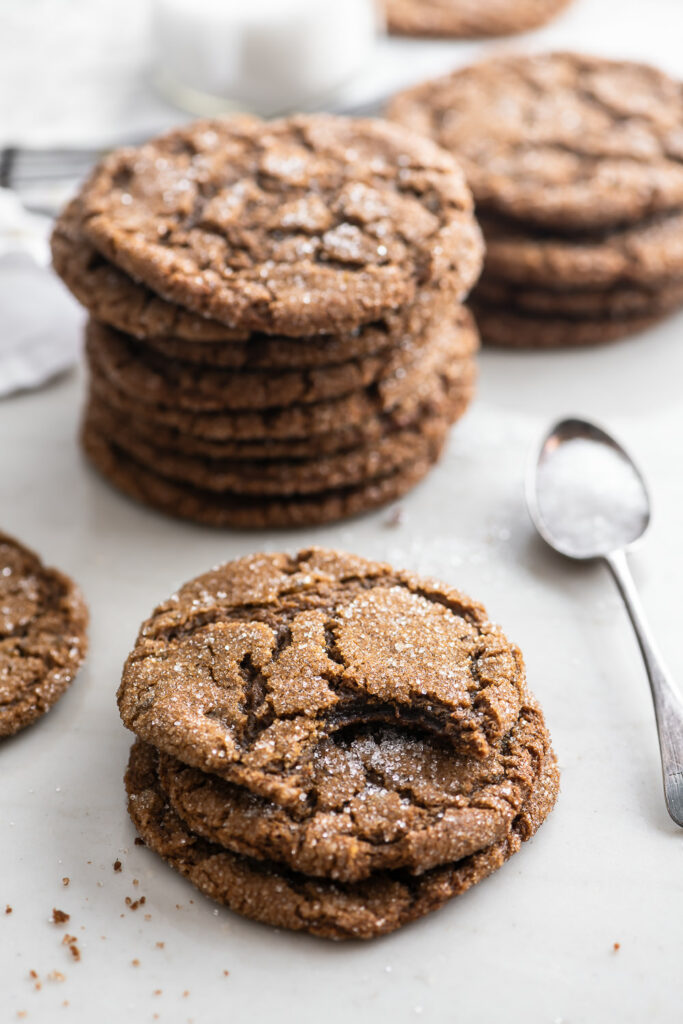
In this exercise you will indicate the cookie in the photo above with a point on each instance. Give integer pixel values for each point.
(248, 668)
(114, 298)
(152, 377)
(274, 895)
(647, 254)
(449, 399)
(245, 512)
(562, 140)
(384, 799)
(468, 19)
(43, 622)
(620, 301)
(306, 224)
(444, 360)
(354, 467)
(512, 329)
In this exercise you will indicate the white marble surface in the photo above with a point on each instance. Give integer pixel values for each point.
(531, 945)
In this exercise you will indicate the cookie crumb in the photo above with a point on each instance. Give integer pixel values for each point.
(186, 993)
(135, 963)
(117, 865)
(138, 841)
(60, 916)
(160, 945)
(226, 973)
(148, 917)
(56, 976)
(8, 909)
(71, 942)
(33, 974)
(157, 991)
(65, 881)
(616, 947)
(136, 881)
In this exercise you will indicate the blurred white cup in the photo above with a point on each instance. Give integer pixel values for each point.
(269, 56)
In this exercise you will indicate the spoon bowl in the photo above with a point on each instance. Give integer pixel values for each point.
(585, 495)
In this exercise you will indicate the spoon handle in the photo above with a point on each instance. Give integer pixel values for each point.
(666, 698)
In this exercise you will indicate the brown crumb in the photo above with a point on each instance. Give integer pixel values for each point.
(56, 976)
(186, 993)
(135, 963)
(71, 942)
(65, 1003)
(136, 881)
(8, 909)
(157, 991)
(33, 974)
(65, 880)
(616, 947)
(134, 904)
(60, 916)
(160, 945)
(37, 986)
(226, 973)
(148, 917)
(21, 1014)
(117, 865)
(139, 841)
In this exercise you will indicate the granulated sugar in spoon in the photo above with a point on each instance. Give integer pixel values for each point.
(588, 500)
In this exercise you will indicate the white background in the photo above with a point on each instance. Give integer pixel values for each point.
(534, 943)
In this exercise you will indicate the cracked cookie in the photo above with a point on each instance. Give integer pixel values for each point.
(576, 164)
(248, 668)
(513, 328)
(153, 377)
(268, 892)
(43, 621)
(306, 224)
(468, 19)
(562, 140)
(441, 365)
(382, 799)
(247, 512)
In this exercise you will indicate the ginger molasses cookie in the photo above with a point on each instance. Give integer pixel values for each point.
(270, 893)
(566, 141)
(227, 509)
(153, 377)
(450, 397)
(281, 476)
(43, 621)
(114, 298)
(249, 668)
(647, 254)
(381, 799)
(468, 18)
(306, 224)
(517, 329)
(446, 358)
(579, 303)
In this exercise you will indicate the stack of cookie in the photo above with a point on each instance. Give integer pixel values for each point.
(276, 332)
(576, 164)
(329, 745)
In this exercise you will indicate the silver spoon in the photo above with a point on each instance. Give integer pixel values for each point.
(588, 500)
